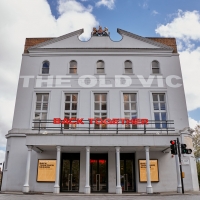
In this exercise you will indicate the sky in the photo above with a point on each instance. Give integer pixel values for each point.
(20, 19)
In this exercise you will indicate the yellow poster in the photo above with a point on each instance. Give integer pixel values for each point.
(46, 171)
(153, 170)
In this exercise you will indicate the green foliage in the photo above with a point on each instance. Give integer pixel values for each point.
(196, 144)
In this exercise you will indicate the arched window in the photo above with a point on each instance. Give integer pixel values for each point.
(100, 67)
(155, 67)
(128, 67)
(73, 67)
(45, 67)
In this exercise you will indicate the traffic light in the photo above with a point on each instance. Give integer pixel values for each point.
(173, 147)
(184, 150)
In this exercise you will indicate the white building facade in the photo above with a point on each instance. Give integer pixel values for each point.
(98, 116)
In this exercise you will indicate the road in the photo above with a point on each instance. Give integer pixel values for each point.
(96, 197)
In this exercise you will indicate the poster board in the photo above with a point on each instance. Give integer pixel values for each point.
(46, 171)
(153, 170)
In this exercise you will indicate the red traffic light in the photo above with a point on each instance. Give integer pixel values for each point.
(173, 142)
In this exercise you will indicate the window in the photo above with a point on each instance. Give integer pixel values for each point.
(100, 109)
(155, 67)
(130, 108)
(159, 106)
(128, 67)
(73, 67)
(41, 109)
(70, 108)
(45, 67)
(100, 67)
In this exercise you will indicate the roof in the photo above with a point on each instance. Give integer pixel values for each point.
(170, 42)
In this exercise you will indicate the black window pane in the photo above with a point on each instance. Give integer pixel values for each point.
(133, 97)
(67, 98)
(73, 71)
(155, 97)
(45, 64)
(74, 106)
(39, 97)
(128, 71)
(103, 106)
(67, 106)
(103, 97)
(162, 97)
(45, 70)
(155, 70)
(100, 71)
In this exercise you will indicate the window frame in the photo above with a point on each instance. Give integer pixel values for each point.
(46, 74)
(128, 68)
(166, 103)
(70, 111)
(73, 68)
(104, 69)
(34, 106)
(155, 67)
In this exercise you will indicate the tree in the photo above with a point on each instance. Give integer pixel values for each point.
(196, 144)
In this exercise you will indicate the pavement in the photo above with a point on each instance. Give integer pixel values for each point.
(93, 196)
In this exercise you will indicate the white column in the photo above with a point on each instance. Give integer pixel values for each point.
(179, 187)
(149, 188)
(57, 186)
(118, 187)
(87, 174)
(26, 184)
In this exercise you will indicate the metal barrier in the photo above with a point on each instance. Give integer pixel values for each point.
(152, 126)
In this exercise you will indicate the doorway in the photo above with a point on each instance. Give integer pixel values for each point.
(70, 170)
(127, 171)
(99, 172)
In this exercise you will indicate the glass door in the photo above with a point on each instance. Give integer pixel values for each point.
(70, 172)
(127, 171)
(98, 172)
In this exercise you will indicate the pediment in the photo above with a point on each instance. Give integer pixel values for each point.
(129, 40)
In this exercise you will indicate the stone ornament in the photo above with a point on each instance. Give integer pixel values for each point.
(100, 32)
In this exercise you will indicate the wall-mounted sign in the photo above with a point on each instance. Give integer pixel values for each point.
(153, 171)
(46, 171)
(185, 161)
(100, 121)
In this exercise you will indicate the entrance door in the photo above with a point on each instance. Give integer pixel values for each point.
(99, 172)
(70, 172)
(127, 171)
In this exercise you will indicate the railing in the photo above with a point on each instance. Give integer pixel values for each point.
(158, 127)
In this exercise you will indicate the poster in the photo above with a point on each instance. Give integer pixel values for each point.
(153, 170)
(46, 171)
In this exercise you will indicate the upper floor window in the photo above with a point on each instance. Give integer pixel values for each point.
(45, 67)
(155, 67)
(100, 67)
(71, 101)
(73, 67)
(128, 67)
(130, 108)
(41, 109)
(160, 113)
(100, 109)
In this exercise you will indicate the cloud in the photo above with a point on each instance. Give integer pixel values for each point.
(108, 3)
(193, 123)
(154, 12)
(27, 18)
(186, 28)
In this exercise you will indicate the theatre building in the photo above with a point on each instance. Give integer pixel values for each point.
(98, 116)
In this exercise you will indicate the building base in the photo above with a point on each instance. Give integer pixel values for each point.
(56, 190)
(87, 190)
(118, 190)
(149, 190)
(25, 189)
(179, 189)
